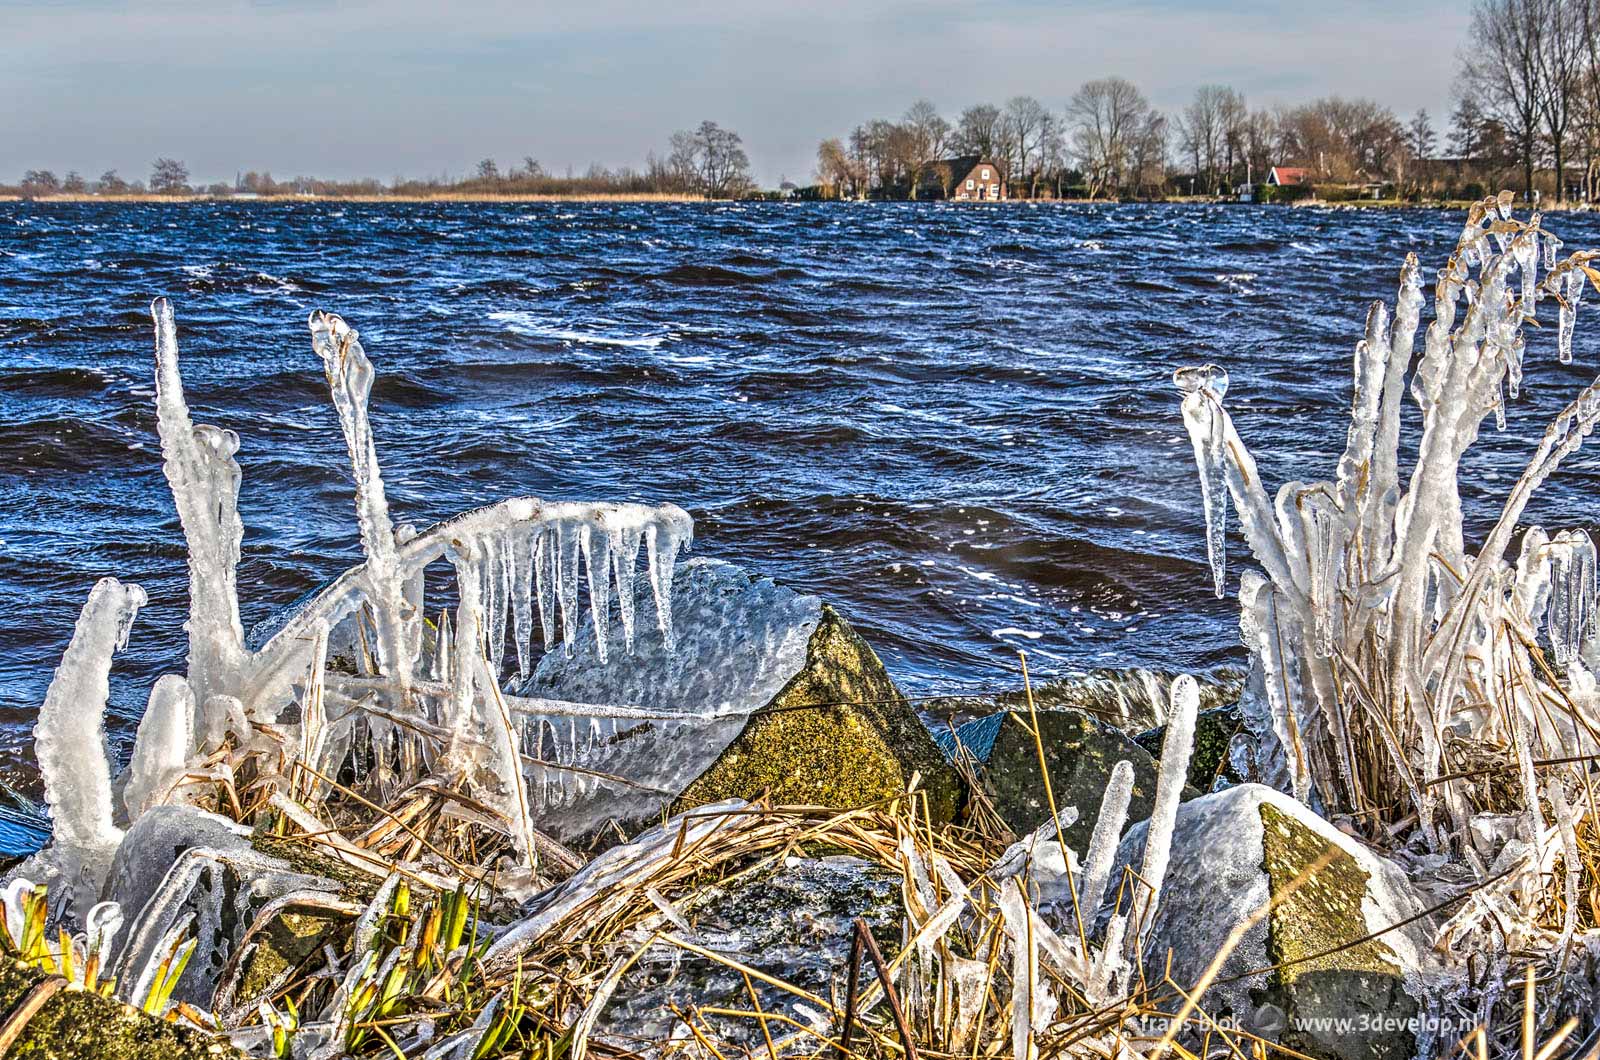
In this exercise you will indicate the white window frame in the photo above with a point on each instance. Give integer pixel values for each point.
(970, 185)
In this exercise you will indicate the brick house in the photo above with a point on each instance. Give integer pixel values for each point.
(970, 178)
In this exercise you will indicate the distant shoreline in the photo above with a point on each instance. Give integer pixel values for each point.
(148, 197)
(672, 197)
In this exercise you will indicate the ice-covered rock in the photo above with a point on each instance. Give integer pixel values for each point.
(793, 923)
(1335, 992)
(179, 862)
(764, 689)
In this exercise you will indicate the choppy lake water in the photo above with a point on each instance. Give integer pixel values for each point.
(954, 423)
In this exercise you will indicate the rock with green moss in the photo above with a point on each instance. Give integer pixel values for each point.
(1335, 993)
(75, 1025)
(774, 693)
(1214, 731)
(839, 734)
(1133, 699)
(1079, 752)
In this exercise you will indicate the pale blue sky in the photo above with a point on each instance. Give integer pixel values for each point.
(344, 88)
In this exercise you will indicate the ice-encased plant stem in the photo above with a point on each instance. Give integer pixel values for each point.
(69, 741)
(1378, 642)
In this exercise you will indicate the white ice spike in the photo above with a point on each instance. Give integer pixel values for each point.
(1204, 389)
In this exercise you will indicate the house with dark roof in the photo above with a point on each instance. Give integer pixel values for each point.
(970, 178)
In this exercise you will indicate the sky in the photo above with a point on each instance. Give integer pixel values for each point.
(348, 88)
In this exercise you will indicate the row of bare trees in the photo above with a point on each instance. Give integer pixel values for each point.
(1107, 140)
(1532, 69)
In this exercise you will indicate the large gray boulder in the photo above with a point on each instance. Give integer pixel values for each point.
(1335, 992)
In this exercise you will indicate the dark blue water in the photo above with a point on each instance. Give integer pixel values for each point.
(954, 423)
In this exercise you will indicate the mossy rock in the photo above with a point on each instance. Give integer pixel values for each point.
(1341, 992)
(1214, 730)
(839, 734)
(286, 943)
(75, 1025)
(1079, 752)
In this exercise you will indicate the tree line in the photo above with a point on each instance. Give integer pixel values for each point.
(1526, 108)
(1107, 140)
(707, 160)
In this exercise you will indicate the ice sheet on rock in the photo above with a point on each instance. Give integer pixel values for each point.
(739, 641)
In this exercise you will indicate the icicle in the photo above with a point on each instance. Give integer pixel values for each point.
(1568, 315)
(662, 543)
(544, 571)
(1103, 843)
(350, 375)
(162, 748)
(567, 552)
(199, 465)
(624, 545)
(1514, 355)
(443, 650)
(1204, 389)
(597, 562)
(521, 557)
(1572, 593)
(1527, 259)
(1325, 540)
(491, 570)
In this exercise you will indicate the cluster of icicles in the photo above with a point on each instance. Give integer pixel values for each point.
(359, 659)
(1378, 643)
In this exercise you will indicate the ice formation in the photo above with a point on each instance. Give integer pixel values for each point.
(1394, 672)
(69, 741)
(741, 640)
(368, 679)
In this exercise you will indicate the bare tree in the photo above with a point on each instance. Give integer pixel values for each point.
(1232, 119)
(1026, 122)
(168, 176)
(1561, 51)
(1420, 136)
(1107, 117)
(1201, 130)
(928, 134)
(1503, 71)
(40, 182)
(724, 168)
(978, 131)
(1147, 162)
(834, 170)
